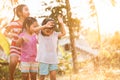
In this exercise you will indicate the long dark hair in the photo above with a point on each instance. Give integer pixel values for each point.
(28, 22)
(17, 10)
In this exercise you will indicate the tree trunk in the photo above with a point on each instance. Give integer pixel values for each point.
(72, 40)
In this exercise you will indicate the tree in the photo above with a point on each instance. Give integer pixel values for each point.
(72, 40)
(93, 13)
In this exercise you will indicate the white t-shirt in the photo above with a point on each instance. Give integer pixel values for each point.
(47, 48)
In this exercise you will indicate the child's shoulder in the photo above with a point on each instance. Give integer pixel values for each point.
(22, 34)
(14, 24)
(56, 33)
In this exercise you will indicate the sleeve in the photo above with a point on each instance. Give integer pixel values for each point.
(21, 35)
(35, 37)
(11, 25)
(56, 33)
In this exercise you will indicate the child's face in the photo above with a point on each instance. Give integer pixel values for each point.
(25, 12)
(35, 24)
(49, 30)
(50, 24)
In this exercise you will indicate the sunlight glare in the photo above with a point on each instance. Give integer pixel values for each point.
(108, 16)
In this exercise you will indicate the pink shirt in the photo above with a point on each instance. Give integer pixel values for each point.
(28, 48)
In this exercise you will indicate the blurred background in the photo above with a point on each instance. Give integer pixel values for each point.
(92, 40)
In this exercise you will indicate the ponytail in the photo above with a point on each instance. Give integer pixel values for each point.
(17, 10)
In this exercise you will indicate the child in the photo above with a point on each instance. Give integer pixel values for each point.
(13, 29)
(47, 51)
(28, 42)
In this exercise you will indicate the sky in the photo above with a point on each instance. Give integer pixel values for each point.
(108, 16)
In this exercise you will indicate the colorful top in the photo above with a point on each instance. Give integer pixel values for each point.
(47, 49)
(28, 48)
(14, 27)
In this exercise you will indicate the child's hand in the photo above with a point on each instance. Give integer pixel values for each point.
(25, 39)
(49, 24)
(60, 20)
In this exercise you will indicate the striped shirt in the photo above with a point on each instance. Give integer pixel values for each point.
(14, 27)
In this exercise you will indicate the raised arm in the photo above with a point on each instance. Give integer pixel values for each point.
(62, 29)
(37, 29)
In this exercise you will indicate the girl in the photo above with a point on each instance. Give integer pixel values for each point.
(28, 43)
(13, 29)
(47, 55)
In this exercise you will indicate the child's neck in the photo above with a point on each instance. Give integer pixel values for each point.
(28, 32)
(21, 20)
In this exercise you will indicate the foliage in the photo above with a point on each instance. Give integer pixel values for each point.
(111, 51)
(4, 73)
(92, 37)
(62, 10)
(115, 41)
(111, 61)
(92, 8)
(65, 64)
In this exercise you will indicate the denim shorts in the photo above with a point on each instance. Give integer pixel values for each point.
(26, 67)
(45, 68)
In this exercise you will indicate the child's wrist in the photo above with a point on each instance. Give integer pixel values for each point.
(44, 26)
(61, 23)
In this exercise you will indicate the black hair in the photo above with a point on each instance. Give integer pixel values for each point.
(17, 10)
(28, 22)
(46, 20)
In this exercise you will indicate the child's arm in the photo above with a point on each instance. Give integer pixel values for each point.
(19, 42)
(37, 29)
(62, 29)
(47, 25)
(8, 33)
